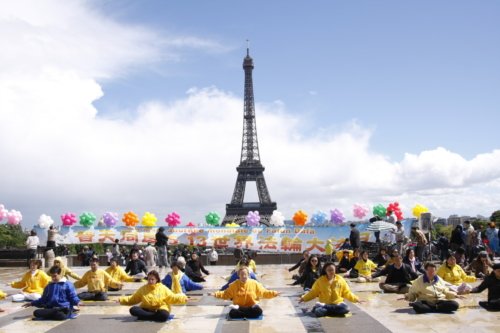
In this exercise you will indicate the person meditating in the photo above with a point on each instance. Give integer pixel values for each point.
(136, 267)
(365, 267)
(98, 282)
(32, 283)
(58, 299)
(455, 275)
(399, 276)
(311, 273)
(331, 289)
(118, 273)
(194, 267)
(429, 293)
(65, 270)
(179, 282)
(155, 299)
(245, 294)
(492, 283)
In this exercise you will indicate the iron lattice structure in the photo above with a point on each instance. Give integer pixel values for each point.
(250, 168)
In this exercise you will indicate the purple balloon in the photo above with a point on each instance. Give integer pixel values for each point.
(110, 219)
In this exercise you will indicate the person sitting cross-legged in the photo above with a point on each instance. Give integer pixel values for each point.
(331, 289)
(179, 282)
(492, 283)
(429, 293)
(58, 298)
(399, 276)
(245, 294)
(98, 282)
(136, 267)
(118, 273)
(365, 267)
(155, 299)
(32, 283)
(452, 273)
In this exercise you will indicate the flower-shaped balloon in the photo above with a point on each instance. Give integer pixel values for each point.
(87, 219)
(3, 212)
(300, 217)
(130, 219)
(14, 217)
(45, 221)
(379, 210)
(319, 218)
(173, 219)
(253, 219)
(68, 219)
(394, 207)
(359, 211)
(149, 219)
(336, 216)
(232, 225)
(418, 210)
(277, 219)
(190, 224)
(212, 218)
(110, 219)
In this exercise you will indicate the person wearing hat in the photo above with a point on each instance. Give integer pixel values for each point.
(481, 266)
(492, 283)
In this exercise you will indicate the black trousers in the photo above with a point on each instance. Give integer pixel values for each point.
(31, 255)
(143, 314)
(493, 305)
(52, 314)
(439, 306)
(246, 312)
(88, 296)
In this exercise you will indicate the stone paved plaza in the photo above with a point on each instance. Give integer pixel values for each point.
(380, 312)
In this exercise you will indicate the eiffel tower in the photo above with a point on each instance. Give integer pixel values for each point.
(250, 168)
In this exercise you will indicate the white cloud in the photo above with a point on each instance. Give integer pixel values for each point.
(59, 154)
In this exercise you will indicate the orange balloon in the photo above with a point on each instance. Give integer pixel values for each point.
(300, 218)
(130, 219)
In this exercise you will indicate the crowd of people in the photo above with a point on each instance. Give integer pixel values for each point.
(428, 287)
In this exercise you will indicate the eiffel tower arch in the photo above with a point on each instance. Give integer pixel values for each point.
(250, 168)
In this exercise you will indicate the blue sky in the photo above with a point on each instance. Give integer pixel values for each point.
(137, 105)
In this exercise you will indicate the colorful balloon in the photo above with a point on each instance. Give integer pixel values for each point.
(300, 217)
(149, 219)
(359, 211)
(418, 210)
(379, 210)
(394, 207)
(212, 218)
(253, 219)
(319, 218)
(110, 219)
(3, 212)
(87, 219)
(232, 225)
(173, 219)
(130, 219)
(68, 219)
(45, 221)
(14, 217)
(190, 224)
(336, 216)
(277, 219)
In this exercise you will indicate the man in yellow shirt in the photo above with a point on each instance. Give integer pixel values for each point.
(331, 289)
(98, 282)
(245, 294)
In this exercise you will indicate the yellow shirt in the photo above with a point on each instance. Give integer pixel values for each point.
(430, 291)
(118, 273)
(246, 294)
(32, 283)
(154, 297)
(330, 293)
(2, 295)
(365, 268)
(454, 275)
(97, 281)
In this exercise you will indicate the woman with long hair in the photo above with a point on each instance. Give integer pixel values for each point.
(311, 273)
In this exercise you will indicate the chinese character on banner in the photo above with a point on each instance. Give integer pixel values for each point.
(106, 234)
(172, 240)
(148, 237)
(268, 243)
(240, 239)
(291, 244)
(85, 236)
(315, 244)
(221, 242)
(130, 236)
(197, 240)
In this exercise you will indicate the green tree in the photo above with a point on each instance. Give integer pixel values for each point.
(12, 236)
(495, 217)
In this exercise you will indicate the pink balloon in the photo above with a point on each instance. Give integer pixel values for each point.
(359, 211)
(3, 212)
(68, 219)
(14, 217)
(173, 219)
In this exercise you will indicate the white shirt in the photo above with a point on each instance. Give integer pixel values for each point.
(32, 242)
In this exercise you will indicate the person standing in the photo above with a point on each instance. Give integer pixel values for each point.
(161, 247)
(470, 235)
(51, 237)
(213, 256)
(354, 237)
(400, 236)
(32, 246)
(419, 237)
(150, 254)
